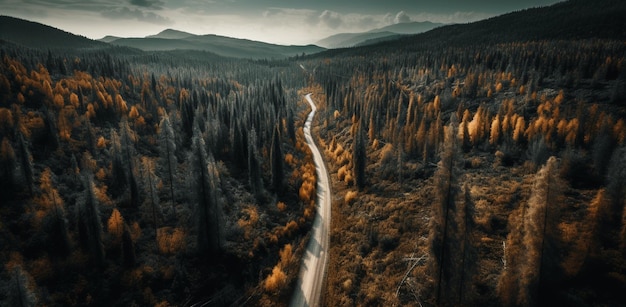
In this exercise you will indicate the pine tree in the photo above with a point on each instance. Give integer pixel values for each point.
(55, 224)
(20, 291)
(119, 180)
(254, 166)
(443, 236)
(467, 255)
(135, 200)
(150, 182)
(616, 181)
(128, 248)
(278, 173)
(167, 150)
(89, 224)
(8, 166)
(359, 157)
(533, 243)
(26, 159)
(208, 211)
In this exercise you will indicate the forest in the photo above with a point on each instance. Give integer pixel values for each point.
(484, 174)
(473, 165)
(150, 179)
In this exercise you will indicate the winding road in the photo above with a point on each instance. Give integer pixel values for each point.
(313, 269)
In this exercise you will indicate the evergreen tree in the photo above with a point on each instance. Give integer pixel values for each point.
(26, 159)
(150, 182)
(20, 292)
(55, 224)
(119, 180)
(167, 150)
(278, 173)
(444, 230)
(616, 181)
(541, 237)
(8, 166)
(467, 255)
(89, 223)
(255, 178)
(208, 211)
(359, 156)
(533, 244)
(128, 248)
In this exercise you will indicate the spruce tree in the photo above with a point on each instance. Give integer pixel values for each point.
(19, 292)
(167, 151)
(359, 157)
(255, 178)
(278, 173)
(208, 211)
(89, 223)
(26, 159)
(8, 166)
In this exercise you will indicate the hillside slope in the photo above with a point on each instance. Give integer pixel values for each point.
(344, 40)
(37, 35)
(221, 45)
(574, 19)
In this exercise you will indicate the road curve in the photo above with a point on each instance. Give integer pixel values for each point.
(313, 268)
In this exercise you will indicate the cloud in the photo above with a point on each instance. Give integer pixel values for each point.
(136, 14)
(402, 17)
(153, 4)
(331, 19)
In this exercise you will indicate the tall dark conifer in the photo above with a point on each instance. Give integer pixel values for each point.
(208, 210)
(443, 236)
(167, 150)
(359, 156)
(89, 223)
(278, 173)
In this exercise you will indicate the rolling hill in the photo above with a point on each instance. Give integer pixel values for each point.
(169, 40)
(574, 19)
(343, 40)
(171, 34)
(36, 35)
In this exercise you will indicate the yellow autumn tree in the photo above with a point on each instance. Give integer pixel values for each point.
(115, 225)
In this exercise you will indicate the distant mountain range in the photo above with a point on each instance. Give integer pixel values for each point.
(344, 40)
(170, 39)
(36, 35)
(573, 19)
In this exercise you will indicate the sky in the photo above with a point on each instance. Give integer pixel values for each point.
(275, 21)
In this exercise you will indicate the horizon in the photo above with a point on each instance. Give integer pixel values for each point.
(273, 21)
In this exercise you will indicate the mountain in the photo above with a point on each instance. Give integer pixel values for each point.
(574, 19)
(409, 27)
(171, 34)
(109, 38)
(37, 35)
(221, 45)
(343, 40)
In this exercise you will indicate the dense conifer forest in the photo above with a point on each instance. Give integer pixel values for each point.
(469, 168)
(150, 179)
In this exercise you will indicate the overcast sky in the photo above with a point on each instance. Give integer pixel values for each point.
(275, 21)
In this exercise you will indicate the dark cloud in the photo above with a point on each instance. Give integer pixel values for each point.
(153, 4)
(125, 13)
